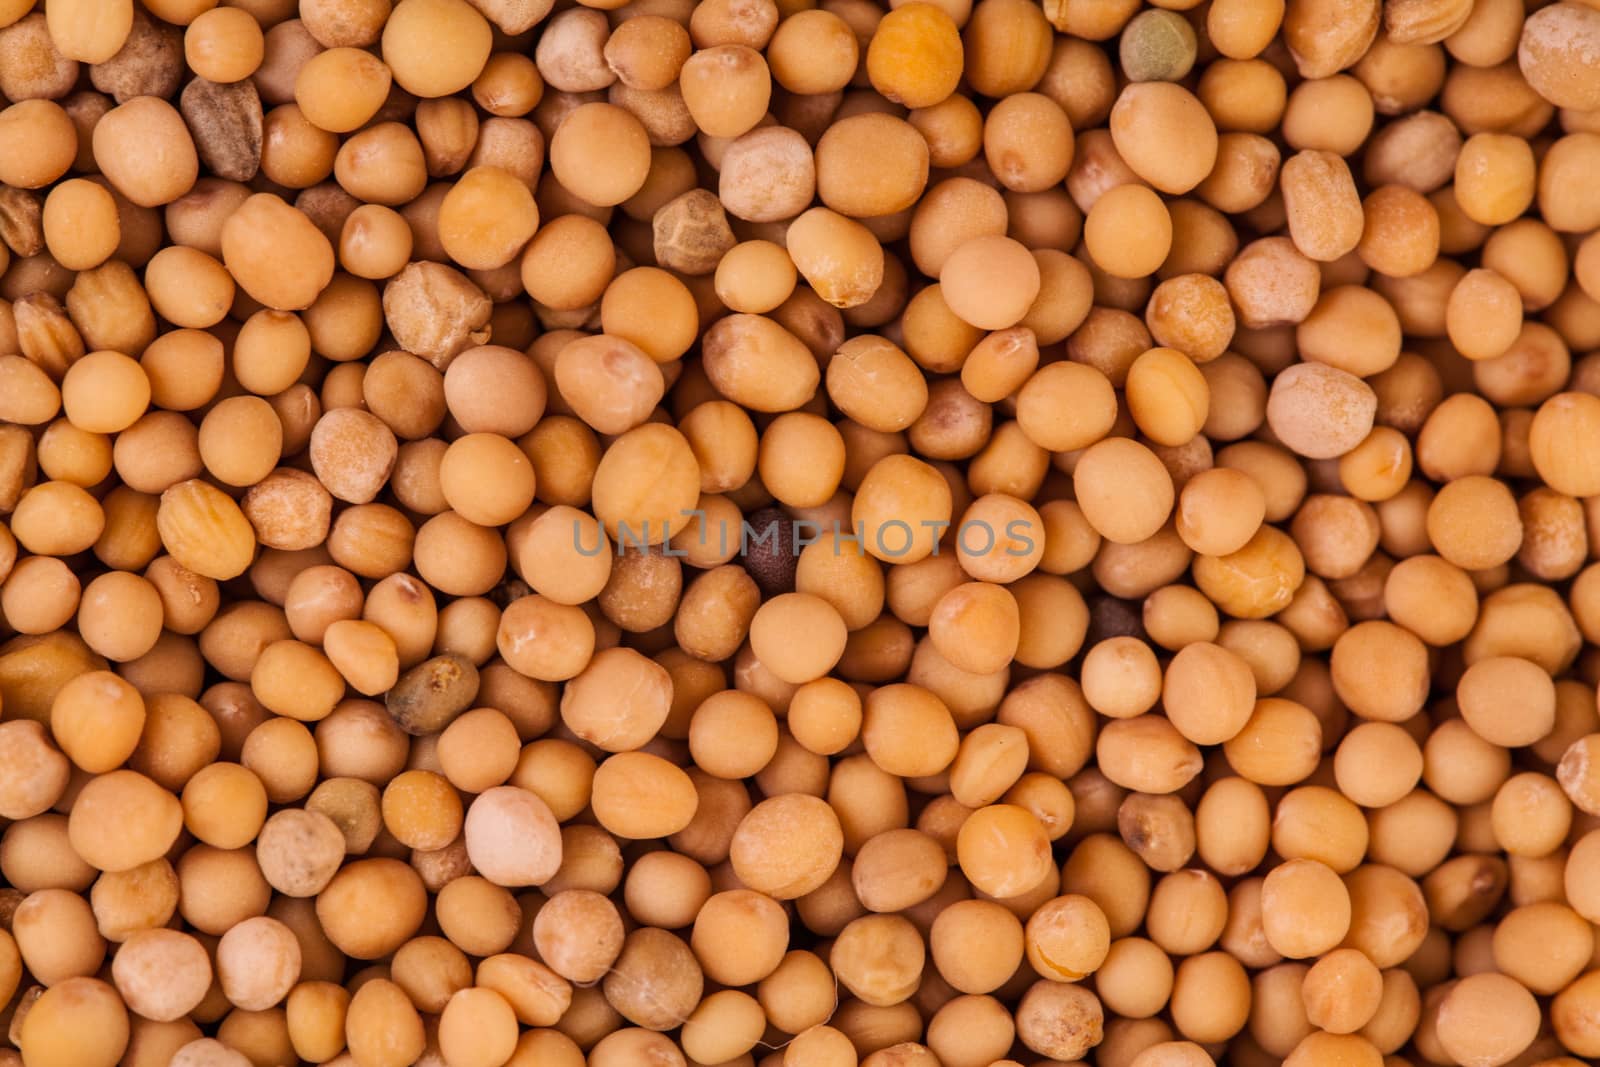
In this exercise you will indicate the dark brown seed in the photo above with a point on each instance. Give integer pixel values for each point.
(225, 121)
(9, 899)
(1110, 616)
(429, 696)
(769, 551)
(509, 590)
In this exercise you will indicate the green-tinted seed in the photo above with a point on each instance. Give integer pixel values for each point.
(1157, 46)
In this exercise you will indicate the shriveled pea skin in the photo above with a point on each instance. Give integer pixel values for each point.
(874, 534)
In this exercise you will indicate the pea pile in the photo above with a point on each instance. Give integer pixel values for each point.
(799, 533)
